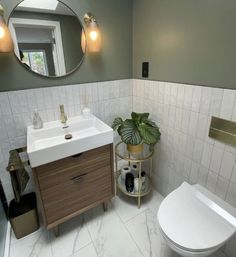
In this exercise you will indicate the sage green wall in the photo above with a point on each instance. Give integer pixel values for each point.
(114, 61)
(186, 41)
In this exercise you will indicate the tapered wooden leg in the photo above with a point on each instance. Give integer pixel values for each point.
(56, 231)
(105, 206)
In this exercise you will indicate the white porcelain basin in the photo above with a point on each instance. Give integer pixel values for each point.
(49, 144)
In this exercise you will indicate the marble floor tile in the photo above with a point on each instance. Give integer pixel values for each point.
(15, 240)
(87, 251)
(35, 245)
(122, 231)
(145, 232)
(144, 229)
(219, 254)
(109, 235)
(126, 207)
(73, 236)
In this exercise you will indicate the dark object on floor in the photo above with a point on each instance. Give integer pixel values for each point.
(23, 215)
(129, 182)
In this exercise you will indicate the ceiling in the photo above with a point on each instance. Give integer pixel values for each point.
(61, 9)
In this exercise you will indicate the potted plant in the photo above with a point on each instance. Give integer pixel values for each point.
(136, 131)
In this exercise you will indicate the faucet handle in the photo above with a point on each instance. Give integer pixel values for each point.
(62, 108)
(63, 115)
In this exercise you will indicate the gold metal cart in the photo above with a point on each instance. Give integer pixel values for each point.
(121, 153)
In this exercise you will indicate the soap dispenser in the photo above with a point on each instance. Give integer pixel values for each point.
(37, 121)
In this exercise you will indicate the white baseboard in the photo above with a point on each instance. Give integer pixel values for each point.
(8, 241)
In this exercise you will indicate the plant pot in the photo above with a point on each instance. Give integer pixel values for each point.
(23, 216)
(135, 149)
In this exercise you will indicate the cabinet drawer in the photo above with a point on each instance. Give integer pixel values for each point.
(56, 173)
(76, 192)
(73, 185)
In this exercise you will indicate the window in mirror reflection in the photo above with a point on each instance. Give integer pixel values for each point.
(36, 61)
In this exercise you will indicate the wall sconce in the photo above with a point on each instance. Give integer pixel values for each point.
(93, 35)
(6, 44)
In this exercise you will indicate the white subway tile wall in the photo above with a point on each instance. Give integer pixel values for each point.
(106, 100)
(183, 113)
(185, 152)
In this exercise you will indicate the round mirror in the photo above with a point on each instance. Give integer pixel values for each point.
(47, 37)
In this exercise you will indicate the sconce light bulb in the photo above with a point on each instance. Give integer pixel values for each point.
(2, 32)
(6, 44)
(93, 35)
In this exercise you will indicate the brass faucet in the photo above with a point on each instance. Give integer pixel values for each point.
(63, 115)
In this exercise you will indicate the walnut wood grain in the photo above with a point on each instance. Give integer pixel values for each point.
(73, 185)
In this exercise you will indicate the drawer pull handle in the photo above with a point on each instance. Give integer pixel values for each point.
(78, 178)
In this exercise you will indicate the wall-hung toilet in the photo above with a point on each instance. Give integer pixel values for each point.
(195, 222)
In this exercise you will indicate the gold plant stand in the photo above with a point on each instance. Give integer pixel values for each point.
(121, 153)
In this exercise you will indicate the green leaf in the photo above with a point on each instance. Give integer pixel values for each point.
(151, 123)
(117, 123)
(149, 134)
(139, 117)
(129, 133)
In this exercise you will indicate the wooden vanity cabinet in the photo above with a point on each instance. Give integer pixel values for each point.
(73, 185)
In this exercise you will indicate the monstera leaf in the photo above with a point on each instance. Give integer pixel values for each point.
(139, 117)
(149, 134)
(117, 123)
(129, 133)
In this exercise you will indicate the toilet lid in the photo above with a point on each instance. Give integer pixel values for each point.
(193, 221)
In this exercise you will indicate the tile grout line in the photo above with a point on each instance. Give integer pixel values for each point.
(134, 240)
(80, 249)
(124, 222)
(125, 227)
(95, 248)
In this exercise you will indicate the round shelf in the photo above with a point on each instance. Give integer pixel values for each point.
(122, 152)
(145, 191)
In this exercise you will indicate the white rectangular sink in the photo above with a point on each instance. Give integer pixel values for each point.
(49, 144)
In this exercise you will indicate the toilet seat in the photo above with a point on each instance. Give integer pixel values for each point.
(174, 245)
(193, 222)
(187, 252)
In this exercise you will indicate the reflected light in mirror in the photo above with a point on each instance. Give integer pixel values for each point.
(83, 41)
(2, 32)
(6, 44)
(40, 4)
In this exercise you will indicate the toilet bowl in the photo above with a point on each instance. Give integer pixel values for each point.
(194, 222)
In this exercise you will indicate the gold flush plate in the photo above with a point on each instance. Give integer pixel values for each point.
(223, 130)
